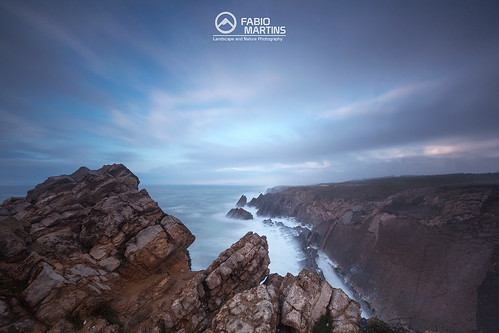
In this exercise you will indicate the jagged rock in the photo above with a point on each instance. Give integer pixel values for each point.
(401, 241)
(345, 312)
(72, 233)
(268, 222)
(199, 296)
(184, 310)
(242, 201)
(243, 266)
(81, 248)
(306, 297)
(255, 310)
(240, 214)
(287, 304)
(128, 212)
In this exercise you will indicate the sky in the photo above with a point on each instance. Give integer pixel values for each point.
(356, 89)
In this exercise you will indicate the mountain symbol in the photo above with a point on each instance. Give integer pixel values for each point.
(225, 21)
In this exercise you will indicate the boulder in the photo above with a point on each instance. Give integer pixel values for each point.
(240, 214)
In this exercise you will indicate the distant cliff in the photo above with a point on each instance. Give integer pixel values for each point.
(89, 252)
(421, 249)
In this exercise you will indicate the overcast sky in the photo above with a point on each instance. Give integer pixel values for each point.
(356, 89)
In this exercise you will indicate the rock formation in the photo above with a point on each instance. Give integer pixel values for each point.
(240, 214)
(419, 248)
(89, 252)
(242, 201)
(306, 297)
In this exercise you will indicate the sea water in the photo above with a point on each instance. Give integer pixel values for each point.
(202, 208)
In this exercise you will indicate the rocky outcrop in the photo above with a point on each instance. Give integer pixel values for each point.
(240, 214)
(90, 252)
(254, 310)
(74, 237)
(243, 266)
(242, 201)
(306, 297)
(288, 304)
(418, 248)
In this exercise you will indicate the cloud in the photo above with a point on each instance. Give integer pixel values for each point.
(384, 103)
(272, 167)
(102, 82)
(465, 149)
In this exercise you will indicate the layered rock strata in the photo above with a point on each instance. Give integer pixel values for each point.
(89, 252)
(423, 249)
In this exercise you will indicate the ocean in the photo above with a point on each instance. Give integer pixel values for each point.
(202, 208)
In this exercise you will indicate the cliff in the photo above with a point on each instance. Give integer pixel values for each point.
(423, 250)
(89, 252)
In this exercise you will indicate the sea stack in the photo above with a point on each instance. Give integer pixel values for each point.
(240, 214)
(242, 201)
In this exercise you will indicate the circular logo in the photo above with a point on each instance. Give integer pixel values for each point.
(225, 22)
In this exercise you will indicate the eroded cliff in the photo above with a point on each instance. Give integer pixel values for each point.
(90, 252)
(420, 249)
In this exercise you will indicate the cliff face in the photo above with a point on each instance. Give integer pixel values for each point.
(423, 249)
(90, 252)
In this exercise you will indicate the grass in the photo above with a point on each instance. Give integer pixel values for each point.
(324, 324)
(376, 325)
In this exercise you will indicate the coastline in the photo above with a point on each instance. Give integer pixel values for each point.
(396, 240)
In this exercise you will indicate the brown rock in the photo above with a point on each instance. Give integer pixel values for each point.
(69, 237)
(421, 248)
(46, 281)
(306, 297)
(243, 266)
(254, 310)
(149, 248)
(91, 241)
(345, 312)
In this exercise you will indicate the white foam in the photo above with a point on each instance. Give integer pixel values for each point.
(327, 266)
(283, 251)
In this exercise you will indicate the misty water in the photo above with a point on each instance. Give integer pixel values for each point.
(202, 208)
